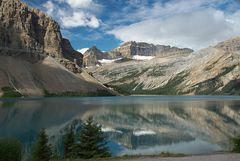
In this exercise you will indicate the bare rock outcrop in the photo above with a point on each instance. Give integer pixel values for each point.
(31, 30)
(131, 48)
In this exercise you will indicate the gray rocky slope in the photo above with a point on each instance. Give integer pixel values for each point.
(34, 57)
(213, 70)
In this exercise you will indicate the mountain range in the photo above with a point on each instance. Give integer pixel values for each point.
(35, 60)
(173, 71)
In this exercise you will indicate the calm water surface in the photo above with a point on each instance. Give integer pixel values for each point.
(134, 125)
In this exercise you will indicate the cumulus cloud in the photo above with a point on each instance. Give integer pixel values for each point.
(195, 29)
(49, 7)
(80, 19)
(82, 4)
(79, 3)
(74, 13)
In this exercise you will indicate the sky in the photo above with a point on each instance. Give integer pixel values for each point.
(194, 24)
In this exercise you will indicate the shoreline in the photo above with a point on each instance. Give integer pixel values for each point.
(218, 156)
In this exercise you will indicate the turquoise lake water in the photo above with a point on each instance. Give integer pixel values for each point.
(133, 125)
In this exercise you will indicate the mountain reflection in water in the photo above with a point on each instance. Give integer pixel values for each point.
(134, 125)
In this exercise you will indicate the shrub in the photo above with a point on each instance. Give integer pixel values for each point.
(10, 150)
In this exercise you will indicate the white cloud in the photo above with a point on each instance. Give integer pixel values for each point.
(139, 10)
(49, 6)
(195, 29)
(80, 19)
(80, 3)
(74, 13)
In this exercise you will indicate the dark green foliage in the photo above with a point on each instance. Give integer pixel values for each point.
(157, 71)
(226, 70)
(10, 150)
(42, 150)
(92, 141)
(169, 89)
(232, 88)
(211, 85)
(78, 94)
(10, 92)
(118, 89)
(131, 75)
(55, 155)
(69, 145)
(236, 144)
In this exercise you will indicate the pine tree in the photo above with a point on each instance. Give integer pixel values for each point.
(236, 144)
(92, 143)
(69, 145)
(42, 151)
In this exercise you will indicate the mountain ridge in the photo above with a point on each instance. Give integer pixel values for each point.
(213, 70)
(130, 49)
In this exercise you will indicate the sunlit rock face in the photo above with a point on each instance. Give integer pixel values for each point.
(132, 123)
(32, 31)
(132, 48)
(213, 70)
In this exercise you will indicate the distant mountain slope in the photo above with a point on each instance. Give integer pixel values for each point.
(214, 70)
(34, 57)
(129, 50)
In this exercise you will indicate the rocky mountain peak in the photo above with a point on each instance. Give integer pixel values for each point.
(30, 30)
(93, 50)
(132, 48)
(92, 55)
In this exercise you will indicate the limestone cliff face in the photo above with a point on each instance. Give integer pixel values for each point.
(33, 31)
(131, 48)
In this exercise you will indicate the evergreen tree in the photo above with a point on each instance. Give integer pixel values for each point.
(42, 151)
(236, 144)
(92, 143)
(69, 145)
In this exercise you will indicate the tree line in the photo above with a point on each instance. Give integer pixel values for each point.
(91, 143)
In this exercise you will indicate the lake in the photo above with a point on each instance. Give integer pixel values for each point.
(133, 124)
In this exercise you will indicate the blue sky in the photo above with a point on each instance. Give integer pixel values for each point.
(107, 23)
